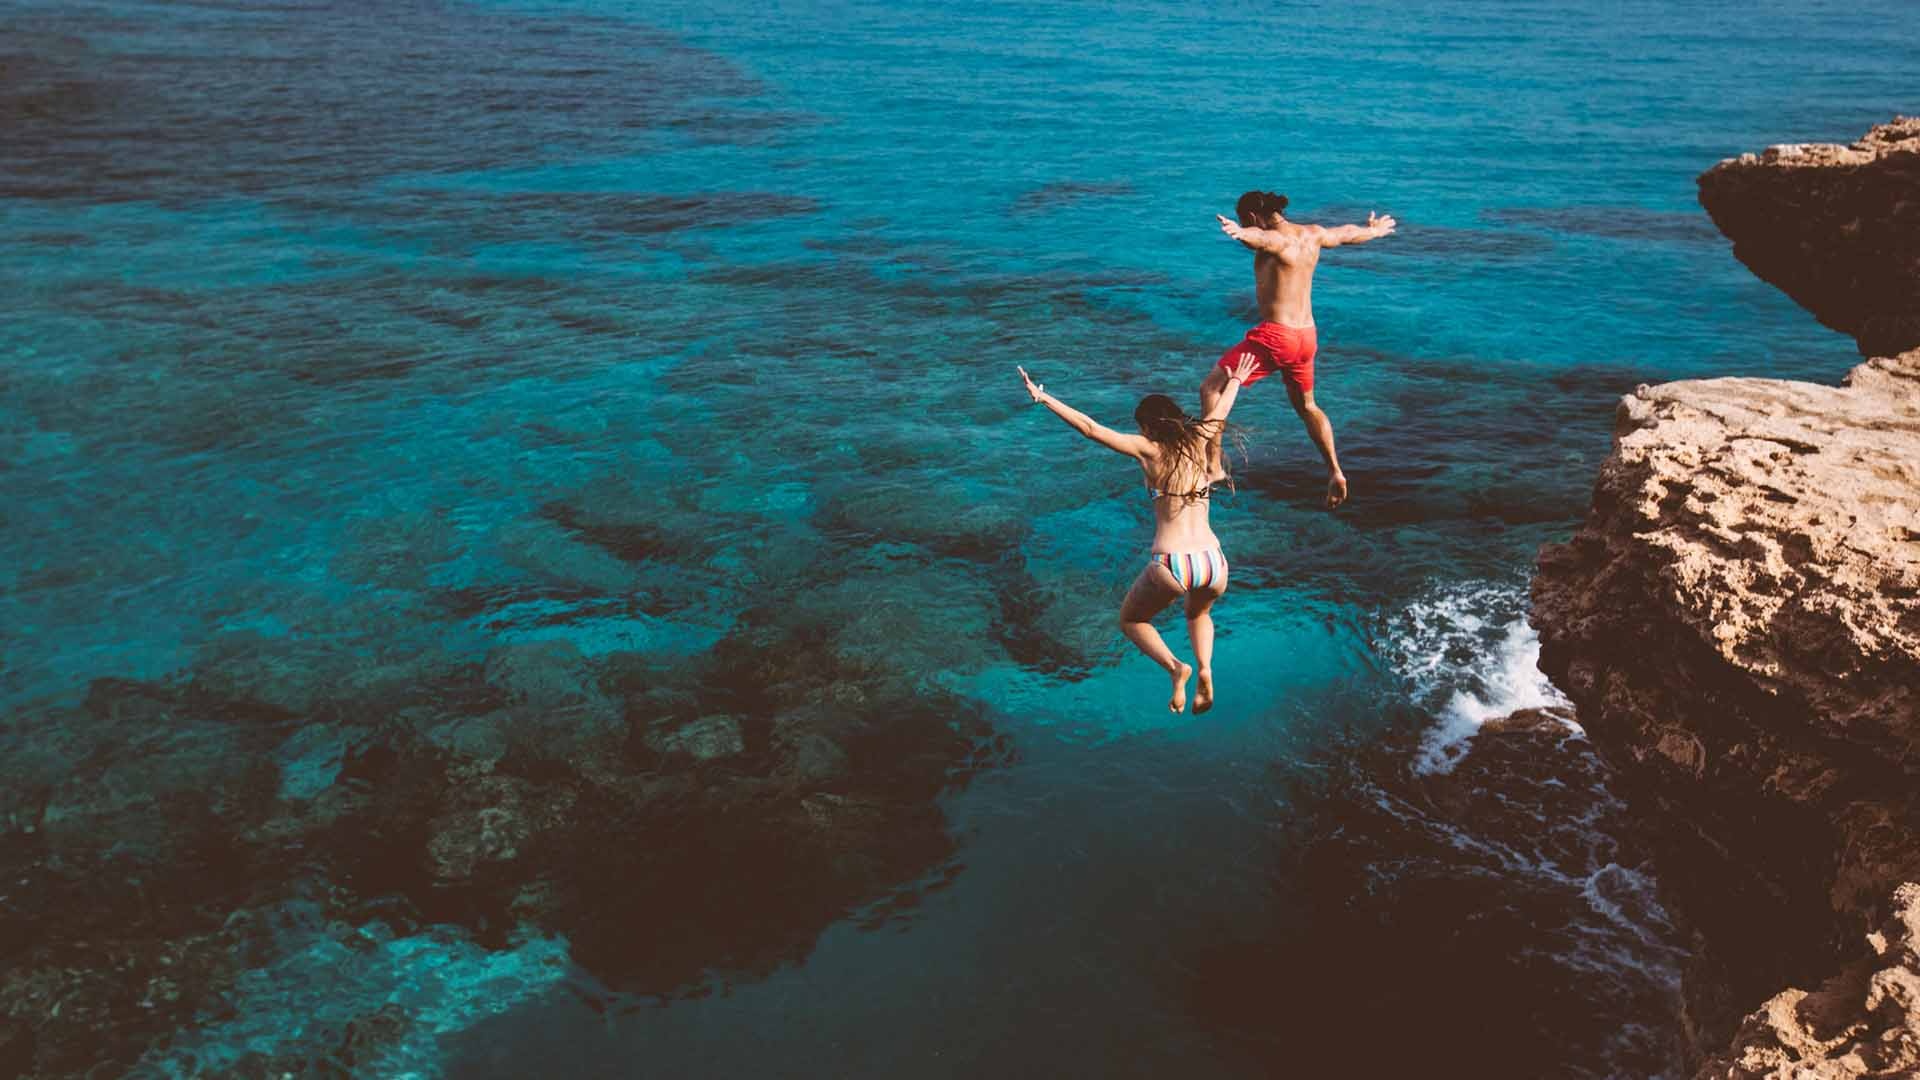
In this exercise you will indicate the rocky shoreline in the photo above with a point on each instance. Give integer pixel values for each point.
(1738, 625)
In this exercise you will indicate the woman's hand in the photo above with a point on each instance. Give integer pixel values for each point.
(1036, 390)
(1243, 368)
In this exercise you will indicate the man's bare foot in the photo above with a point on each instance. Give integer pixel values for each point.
(1203, 692)
(1336, 490)
(1179, 700)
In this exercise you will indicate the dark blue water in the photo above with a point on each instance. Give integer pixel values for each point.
(519, 387)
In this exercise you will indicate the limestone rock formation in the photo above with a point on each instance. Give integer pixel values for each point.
(1835, 227)
(1738, 624)
(1863, 1022)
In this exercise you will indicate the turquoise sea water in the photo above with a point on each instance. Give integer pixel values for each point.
(344, 344)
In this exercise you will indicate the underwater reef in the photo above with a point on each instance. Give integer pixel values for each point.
(1738, 626)
(664, 818)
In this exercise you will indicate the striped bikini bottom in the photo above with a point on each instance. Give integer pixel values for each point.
(1192, 569)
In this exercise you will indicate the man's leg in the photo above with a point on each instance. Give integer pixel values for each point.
(1210, 391)
(1321, 431)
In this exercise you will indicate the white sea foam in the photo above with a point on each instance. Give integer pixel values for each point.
(1468, 656)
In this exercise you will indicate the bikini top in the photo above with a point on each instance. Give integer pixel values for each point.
(1204, 491)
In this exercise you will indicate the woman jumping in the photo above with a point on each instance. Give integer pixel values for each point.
(1186, 560)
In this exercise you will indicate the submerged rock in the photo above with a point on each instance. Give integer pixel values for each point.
(706, 739)
(814, 759)
(1835, 227)
(123, 875)
(672, 820)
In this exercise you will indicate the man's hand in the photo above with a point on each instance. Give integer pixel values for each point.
(1377, 226)
(1231, 228)
(1034, 389)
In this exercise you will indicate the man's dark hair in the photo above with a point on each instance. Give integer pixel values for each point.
(1258, 204)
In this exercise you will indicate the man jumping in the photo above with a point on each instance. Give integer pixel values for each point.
(1284, 255)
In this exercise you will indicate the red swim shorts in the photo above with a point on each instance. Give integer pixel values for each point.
(1288, 350)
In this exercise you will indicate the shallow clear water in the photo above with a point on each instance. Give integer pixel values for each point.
(314, 316)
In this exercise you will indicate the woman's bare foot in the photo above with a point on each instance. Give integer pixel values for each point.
(1180, 676)
(1336, 489)
(1203, 693)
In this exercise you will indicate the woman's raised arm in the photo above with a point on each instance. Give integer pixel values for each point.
(1130, 445)
(1223, 404)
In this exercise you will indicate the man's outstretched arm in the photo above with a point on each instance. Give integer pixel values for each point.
(1376, 227)
(1257, 239)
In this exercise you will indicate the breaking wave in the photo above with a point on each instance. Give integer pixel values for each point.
(1468, 656)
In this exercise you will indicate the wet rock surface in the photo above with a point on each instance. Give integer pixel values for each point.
(1835, 227)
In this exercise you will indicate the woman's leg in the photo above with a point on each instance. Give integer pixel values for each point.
(1200, 629)
(1152, 591)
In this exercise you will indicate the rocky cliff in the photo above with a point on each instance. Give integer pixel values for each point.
(1738, 622)
(1835, 227)
(1863, 1022)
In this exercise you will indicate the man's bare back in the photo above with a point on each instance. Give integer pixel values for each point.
(1283, 279)
(1285, 255)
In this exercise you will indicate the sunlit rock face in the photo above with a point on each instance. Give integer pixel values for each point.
(1835, 227)
(1737, 624)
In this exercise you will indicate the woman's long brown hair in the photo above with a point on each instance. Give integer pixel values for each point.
(1183, 441)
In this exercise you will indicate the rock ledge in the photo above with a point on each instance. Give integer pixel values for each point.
(1835, 227)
